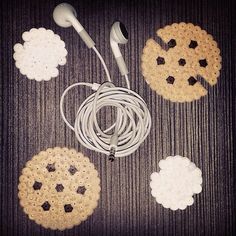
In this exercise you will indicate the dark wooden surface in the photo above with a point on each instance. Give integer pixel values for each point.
(201, 130)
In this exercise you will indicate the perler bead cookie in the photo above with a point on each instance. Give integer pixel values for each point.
(176, 183)
(40, 55)
(59, 188)
(174, 73)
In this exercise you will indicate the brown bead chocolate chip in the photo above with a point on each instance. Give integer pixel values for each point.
(46, 206)
(192, 81)
(160, 61)
(72, 170)
(51, 167)
(193, 44)
(182, 62)
(172, 43)
(170, 80)
(68, 208)
(203, 63)
(81, 190)
(37, 185)
(59, 188)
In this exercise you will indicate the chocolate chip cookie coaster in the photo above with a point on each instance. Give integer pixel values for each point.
(59, 188)
(191, 53)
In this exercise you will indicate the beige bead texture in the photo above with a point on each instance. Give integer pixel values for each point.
(174, 73)
(59, 188)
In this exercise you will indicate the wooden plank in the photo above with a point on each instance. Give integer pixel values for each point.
(202, 130)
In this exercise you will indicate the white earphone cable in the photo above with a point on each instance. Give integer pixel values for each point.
(106, 70)
(133, 120)
(103, 63)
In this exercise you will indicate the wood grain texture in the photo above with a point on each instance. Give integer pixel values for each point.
(202, 130)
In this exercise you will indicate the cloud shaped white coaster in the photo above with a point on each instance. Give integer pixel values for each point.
(40, 55)
(176, 183)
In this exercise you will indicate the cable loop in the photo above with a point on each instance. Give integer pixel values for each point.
(133, 122)
(132, 125)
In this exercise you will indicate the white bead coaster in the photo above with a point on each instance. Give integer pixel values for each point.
(176, 183)
(40, 54)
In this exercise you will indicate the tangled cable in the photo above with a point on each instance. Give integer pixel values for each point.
(133, 120)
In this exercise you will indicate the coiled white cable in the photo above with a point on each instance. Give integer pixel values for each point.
(133, 120)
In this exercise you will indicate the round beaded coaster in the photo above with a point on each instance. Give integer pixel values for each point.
(40, 55)
(175, 73)
(59, 188)
(176, 183)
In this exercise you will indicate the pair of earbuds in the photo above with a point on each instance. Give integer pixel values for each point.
(133, 120)
(65, 16)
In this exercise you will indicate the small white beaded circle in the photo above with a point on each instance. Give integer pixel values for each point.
(40, 54)
(175, 184)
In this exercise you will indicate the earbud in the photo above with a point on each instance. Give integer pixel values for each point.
(65, 16)
(119, 35)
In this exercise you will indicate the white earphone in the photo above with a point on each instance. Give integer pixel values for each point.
(133, 121)
(65, 16)
(119, 35)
